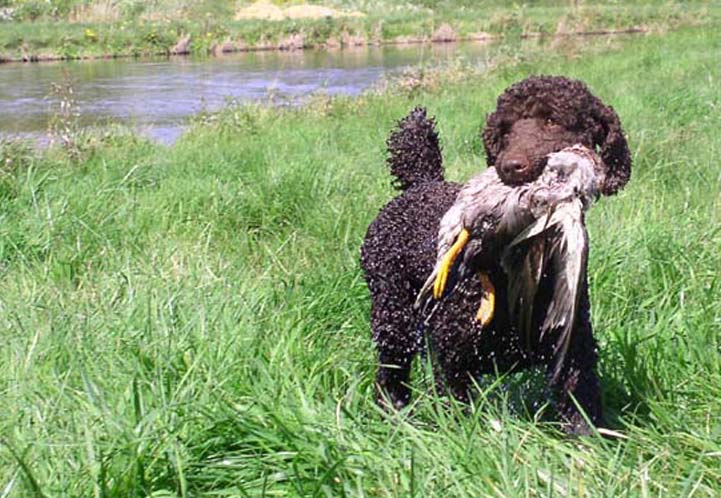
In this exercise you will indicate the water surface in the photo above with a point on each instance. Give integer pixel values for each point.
(157, 96)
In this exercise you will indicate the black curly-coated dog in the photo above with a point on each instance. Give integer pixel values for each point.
(535, 117)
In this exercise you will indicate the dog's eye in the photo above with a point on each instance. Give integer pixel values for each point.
(550, 122)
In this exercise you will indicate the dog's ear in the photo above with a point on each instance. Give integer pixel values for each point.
(614, 150)
(493, 137)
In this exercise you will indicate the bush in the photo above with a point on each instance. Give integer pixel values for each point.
(31, 10)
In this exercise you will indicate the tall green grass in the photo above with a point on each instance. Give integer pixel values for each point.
(192, 321)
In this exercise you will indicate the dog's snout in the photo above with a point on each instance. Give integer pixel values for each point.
(514, 168)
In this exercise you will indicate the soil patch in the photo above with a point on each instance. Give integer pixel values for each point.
(445, 33)
(269, 12)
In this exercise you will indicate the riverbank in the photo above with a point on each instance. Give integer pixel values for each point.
(214, 28)
(192, 321)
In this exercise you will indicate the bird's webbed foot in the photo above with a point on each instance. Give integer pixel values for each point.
(486, 309)
(488, 300)
(444, 271)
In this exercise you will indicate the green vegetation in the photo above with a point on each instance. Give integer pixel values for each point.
(48, 29)
(191, 321)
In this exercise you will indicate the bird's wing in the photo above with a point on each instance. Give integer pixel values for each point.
(557, 241)
(568, 255)
(524, 265)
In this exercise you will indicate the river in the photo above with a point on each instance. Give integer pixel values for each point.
(156, 96)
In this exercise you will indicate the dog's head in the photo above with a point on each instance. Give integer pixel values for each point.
(544, 114)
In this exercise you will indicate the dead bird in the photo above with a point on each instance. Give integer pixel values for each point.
(535, 227)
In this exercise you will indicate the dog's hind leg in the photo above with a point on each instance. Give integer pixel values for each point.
(397, 340)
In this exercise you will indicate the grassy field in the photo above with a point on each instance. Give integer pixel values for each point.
(49, 29)
(192, 321)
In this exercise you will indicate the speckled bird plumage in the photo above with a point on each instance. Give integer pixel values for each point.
(535, 226)
(488, 207)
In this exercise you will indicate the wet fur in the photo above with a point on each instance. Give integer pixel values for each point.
(537, 116)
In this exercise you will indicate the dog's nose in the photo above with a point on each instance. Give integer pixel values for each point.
(513, 168)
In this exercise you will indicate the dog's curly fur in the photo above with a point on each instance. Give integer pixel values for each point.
(566, 105)
(533, 118)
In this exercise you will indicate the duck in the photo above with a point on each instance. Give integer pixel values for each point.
(532, 228)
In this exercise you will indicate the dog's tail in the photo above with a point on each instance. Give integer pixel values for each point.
(414, 154)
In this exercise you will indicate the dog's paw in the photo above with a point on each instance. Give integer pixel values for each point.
(395, 396)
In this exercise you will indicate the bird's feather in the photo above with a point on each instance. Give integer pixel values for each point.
(554, 245)
(538, 228)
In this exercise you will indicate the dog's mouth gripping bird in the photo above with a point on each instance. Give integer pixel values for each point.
(536, 227)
